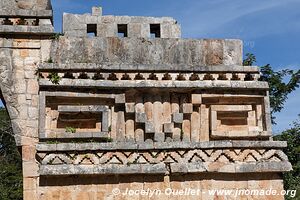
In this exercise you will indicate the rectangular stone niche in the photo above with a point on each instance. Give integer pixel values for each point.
(84, 118)
(75, 115)
(236, 116)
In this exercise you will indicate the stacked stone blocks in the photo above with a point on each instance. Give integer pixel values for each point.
(131, 102)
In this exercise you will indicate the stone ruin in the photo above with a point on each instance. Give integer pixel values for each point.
(124, 102)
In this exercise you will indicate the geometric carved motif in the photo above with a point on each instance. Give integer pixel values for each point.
(163, 117)
(156, 157)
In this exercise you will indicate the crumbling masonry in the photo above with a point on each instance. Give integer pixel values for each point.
(123, 102)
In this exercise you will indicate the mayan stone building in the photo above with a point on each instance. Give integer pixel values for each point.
(124, 102)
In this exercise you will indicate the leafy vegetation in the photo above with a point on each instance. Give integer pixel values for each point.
(292, 136)
(54, 78)
(70, 130)
(10, 162)
(56, 36)
(50, 60)
(282, 83)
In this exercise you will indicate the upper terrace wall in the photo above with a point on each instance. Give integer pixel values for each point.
(179, 54)
(113, 26)
(12, 5)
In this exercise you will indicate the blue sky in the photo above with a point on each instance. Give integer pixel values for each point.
(270, 29)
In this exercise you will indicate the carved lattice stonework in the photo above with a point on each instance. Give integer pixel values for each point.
(161, 117)
(156, 157)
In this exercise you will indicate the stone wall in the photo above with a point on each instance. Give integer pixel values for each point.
(19, 85)
(154, 54)
(34, 5)
(94, 187)
(91, 114)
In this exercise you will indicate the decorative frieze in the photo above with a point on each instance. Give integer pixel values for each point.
(213, 157)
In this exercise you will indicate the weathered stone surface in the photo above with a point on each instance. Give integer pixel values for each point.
(118, 108)
(142, 67)
(30, 5)
(153, 84)
(178, 117)
(33, 30)
(170, 145)
(137, 51)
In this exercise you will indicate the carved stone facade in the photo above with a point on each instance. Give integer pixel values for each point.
(123, 102)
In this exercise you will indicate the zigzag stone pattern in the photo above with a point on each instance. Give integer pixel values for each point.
(117, 101)
(172, 160)
(155, 157)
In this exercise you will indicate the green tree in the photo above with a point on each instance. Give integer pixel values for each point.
(292, 178)
(10, 162)
(282, 83)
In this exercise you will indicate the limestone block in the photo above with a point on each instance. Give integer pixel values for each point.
(30, 194)
(213, 121)
(187, 108)
(204, 132)
(158, 114)
(177, 117)
(105, 121)
(28, 153)
(213, 53)
(149, 127)
(114, 117)
(30, 169)
(196, 99)
(134, 30)
(130, 107)
(177, 134)
(32, 86)
(159, 137)
(25, 4)
(21, 99)
(195, 126)
(259, 116)
(145, 30)
(23, 112)
(186, 129)
(72, 23)
(45, 22)
(30, 74)
(129, 129)
(149, 107)
(120, 99)
(97, 11)
(166, 30)
(20, 87)
(231, 108)
(33, 112)
(101, 30)
(140, 117)
(77, 33)
(168, 127)
(175, 103)
(45, 49)
(175, 31)
(251, 120)
(111, 30)
(120, 126)
(30, 183)
(139, 135)
(167, 110)
(139, 106)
